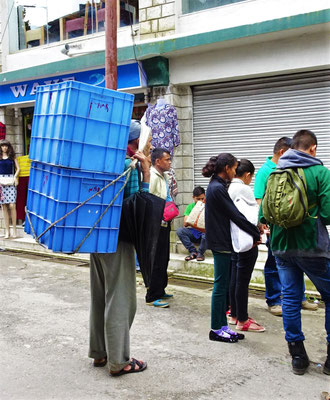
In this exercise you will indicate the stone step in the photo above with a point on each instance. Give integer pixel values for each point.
(204, 270)
(179, 248)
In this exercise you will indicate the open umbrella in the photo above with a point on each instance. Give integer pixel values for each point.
(140, 223)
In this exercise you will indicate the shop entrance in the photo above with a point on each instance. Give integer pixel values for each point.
(27, 114)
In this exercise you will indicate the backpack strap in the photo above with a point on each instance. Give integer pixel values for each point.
(301, 175)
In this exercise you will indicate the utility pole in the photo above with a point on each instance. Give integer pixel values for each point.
(111, 44)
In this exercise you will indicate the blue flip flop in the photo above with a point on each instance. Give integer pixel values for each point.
(167, 296)
(158, 304)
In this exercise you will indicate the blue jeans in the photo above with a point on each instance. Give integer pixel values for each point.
(272, 280)
(187, 238)
(291, 271)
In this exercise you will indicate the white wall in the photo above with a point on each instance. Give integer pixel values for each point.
(52, 52)
(307, 51)
(246, 12)
(243, 13)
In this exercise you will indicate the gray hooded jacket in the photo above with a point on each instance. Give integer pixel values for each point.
(297, 159)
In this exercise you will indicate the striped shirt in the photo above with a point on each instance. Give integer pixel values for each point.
(133, 182)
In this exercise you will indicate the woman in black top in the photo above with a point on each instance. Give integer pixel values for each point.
(219, 211)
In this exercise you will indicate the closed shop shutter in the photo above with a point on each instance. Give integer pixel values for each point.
(247, 117)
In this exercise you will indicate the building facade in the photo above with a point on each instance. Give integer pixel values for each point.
(241, 73)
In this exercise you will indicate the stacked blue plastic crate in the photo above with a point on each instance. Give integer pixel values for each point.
(78, 145)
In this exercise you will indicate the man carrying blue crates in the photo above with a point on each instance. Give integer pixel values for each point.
(113, 287)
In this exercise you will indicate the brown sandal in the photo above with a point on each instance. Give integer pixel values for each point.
(200, 257)
(192, 256)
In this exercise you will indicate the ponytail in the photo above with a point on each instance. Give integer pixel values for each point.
(218, 163)
(243, 166)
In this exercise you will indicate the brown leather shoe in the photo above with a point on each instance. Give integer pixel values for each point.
(101, 362)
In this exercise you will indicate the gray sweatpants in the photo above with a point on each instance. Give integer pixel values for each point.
(113, 305)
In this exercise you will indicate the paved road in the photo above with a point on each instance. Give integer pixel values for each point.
(44, 310)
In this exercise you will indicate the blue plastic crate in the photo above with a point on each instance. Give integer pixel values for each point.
(81, 126)
(54, 191)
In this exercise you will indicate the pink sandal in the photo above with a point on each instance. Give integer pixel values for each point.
(248, 328)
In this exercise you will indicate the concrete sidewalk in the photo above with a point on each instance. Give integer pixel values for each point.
(44, 343)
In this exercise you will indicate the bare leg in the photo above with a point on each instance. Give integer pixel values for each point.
(12, 209)
(5, 211)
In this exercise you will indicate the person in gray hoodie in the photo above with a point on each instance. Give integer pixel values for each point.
(304, 248)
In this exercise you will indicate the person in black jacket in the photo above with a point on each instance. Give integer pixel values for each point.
(219, 211)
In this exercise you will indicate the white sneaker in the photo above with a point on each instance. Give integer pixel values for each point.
(275, 310)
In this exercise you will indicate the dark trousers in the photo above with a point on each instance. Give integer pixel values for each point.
(220, 290)
(242, 267)
(159, 279)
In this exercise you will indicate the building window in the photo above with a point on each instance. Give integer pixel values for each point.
(46, 21)
(189, 6)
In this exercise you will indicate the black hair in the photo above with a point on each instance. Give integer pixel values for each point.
(198, 191)
(158, 153)
(218, 163)
(283, 143)
(11, 151)
(303, 140)
(243, 166)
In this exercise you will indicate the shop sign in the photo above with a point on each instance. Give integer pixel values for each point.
(129, 76)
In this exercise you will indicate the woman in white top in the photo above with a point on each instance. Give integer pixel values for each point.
(243, 262)
(9, 170)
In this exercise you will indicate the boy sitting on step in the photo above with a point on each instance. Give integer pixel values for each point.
(190, 236)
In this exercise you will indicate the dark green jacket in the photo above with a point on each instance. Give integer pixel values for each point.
(311, 238)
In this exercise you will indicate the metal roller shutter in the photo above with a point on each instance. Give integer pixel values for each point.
(246, 118)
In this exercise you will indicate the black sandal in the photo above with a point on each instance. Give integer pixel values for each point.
(142, 366)
(102, 363)
(192, 256)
